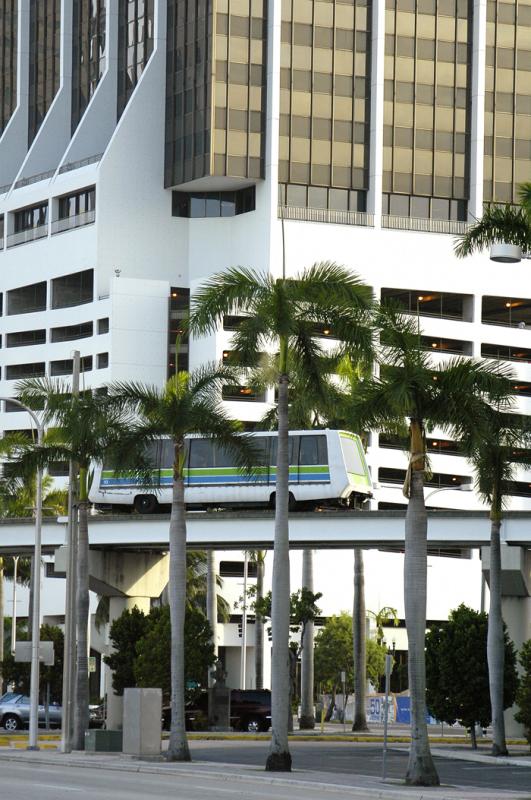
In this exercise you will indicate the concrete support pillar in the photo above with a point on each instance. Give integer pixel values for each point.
(130, 579)
(516, 606)
(212, 605)
(516, 612)
(307, 719)
(117, 606)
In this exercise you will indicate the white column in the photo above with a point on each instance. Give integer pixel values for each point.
(477, 131)
(374, 198)
(114, 702)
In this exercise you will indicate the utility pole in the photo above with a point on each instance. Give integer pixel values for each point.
(69, 662)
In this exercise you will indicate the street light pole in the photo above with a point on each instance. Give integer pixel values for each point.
(14, 613)
(463, 487)
(35, 622)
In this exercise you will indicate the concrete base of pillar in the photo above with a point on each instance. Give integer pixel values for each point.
(516, 613)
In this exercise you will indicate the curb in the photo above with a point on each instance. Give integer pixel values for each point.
(483, 759)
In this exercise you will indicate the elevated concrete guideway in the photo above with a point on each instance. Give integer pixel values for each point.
(240, 530)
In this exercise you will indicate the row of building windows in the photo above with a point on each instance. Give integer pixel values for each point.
(71, 210)
(213, 204)
(63, 333)
(88, 53)
(8, 60)
(56, 368)
(66, 291)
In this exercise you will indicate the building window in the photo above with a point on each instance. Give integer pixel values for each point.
(69, 333)
(437, 208)
(242, 393)
(75, 210)
(295, 196)
(22, 371)
(58, 469)
(8, 61)
(135, 45)
(506, 353)
(29, 223)
(179, 306)
(66, 366)
(27, 299)
(44, 60)
(213, 204)
(102, 360)
(513, 312)
(25, 338)
(451, 346)
(103, 325)
(73, 290)
(430, 304)
(1, 231)
(88, 53)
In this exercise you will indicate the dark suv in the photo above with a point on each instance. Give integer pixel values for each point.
(250, 710)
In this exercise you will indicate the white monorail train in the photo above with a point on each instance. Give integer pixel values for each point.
(326, 467)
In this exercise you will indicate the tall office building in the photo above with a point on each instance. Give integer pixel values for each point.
(146, 144)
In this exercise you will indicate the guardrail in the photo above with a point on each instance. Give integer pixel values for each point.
(326, 215)
(81, 162)
(77, 221)
(424, 225)
(40, 176)
(28, 235)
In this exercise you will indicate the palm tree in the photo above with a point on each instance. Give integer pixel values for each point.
(187, 404)
(500, 224)
(496, 445)
(81, 429)
(359, 644)
(286, 315)
(412, 394)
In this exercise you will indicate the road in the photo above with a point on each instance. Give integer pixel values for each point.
(348, 758)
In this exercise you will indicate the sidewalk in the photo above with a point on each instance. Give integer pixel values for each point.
(301, 781)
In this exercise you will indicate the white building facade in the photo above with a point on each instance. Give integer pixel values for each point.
(146, 145)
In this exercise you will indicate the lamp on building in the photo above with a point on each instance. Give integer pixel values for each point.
(463, 487)
(36, 585)
(505, 253)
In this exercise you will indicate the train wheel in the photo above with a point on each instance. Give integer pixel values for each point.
(292, 503)
(146, 503)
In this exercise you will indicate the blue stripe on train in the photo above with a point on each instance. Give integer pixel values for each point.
(307, 477)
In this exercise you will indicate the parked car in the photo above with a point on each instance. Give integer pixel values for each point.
(250, 710)
(15, 712)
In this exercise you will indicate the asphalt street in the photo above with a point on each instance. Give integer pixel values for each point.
(350, 758)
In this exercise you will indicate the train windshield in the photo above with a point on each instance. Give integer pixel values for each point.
(354, 461)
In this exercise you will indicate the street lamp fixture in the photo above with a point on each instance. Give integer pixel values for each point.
(463, 487)
(36, 586)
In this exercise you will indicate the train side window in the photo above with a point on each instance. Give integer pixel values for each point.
(293, 450)
(222, 457)
(313, 450)
(167, 454)
(200, 453)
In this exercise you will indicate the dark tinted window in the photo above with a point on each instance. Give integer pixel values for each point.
(313, 450)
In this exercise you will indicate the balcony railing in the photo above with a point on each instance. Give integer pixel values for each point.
(326, 215)
(40, 176)
(424, 225)
(82, 162)
(29, 235)
(76, 221)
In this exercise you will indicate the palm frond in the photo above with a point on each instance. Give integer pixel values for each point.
(234, 291)
(524, 196)
(498, 224)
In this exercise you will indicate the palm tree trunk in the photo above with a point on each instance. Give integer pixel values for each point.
(81, 706)
(307, 719)
(212, 605)
(495, 642)
(259, 624)
(279, 758)
(178, 749)
(421, 769)
(360, 645)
